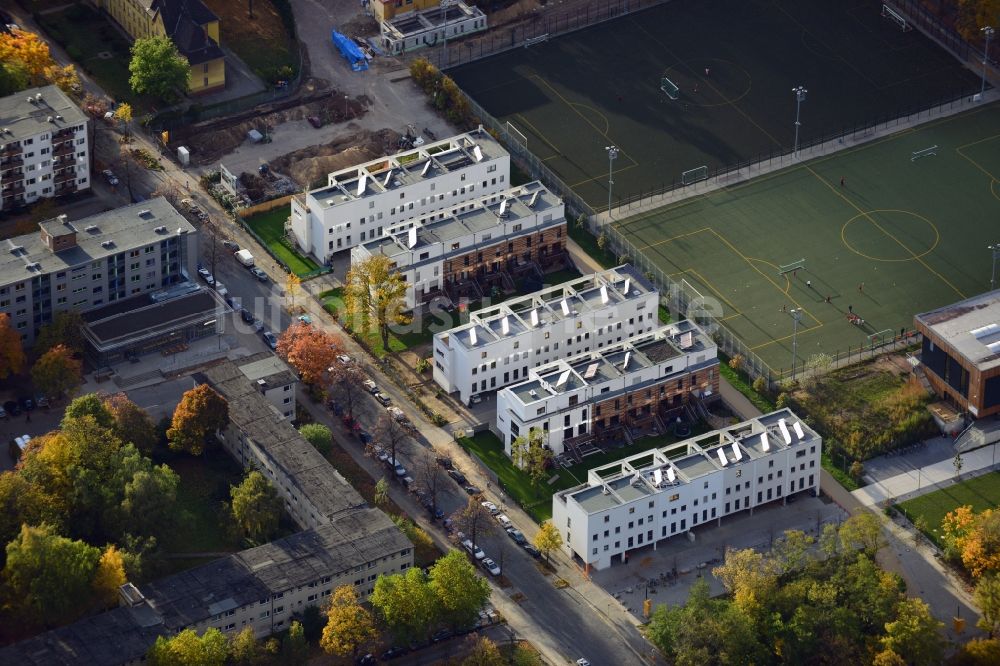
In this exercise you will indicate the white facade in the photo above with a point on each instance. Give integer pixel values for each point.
(431, 27)
(559, 397)
(623, 507)
(361, 203)
(44, 147)
(559, 321)
(422, 248)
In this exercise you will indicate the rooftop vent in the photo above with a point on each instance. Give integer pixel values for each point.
(329, 202)
(160, 230)
(605, 490)
(51, 119)
(6, 130)
(17, 250)
(38, 97)
(58, 117)
(181, 230)
(107, 244)
(533, 393)
(31, 100)
(145, 212)
(91, 229)
(34, 266)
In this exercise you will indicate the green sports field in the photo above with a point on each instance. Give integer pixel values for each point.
(898, 238)
(735, 63)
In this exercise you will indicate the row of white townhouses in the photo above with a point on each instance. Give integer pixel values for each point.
(479, 240)
(363, 202)
(500, 344)
(658, 494)
(633, 383)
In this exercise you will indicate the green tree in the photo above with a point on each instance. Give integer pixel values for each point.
(200, 413)
(915, 634)
(157, 68)
(243, 648)
(751, 578)
(374, 297)
(149, 502)
(13, 78)
(349, 625)
(532, 454)
(406, 604)
(862, 532)
(90, 405)
(460, 591)
(319, 436)
(132, 423)
(66, 328)
(548, 539)
(256, 507)
(188, 648)
(792, 551)
(56, 372)
(294, 649)
(381, 492)
(987, 596)
(23, 502)
(48, 576)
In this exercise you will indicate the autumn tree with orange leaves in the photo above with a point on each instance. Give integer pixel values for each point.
(11, 351)
(200, 413)
(28, 54)
(56, 372)
(974, 538)
(310, 351)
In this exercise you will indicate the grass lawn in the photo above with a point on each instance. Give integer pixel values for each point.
(84, 33)
(982, 492)
(270, 226)
(419, 332)
(588, 243)
(204, 486)
(246, 36)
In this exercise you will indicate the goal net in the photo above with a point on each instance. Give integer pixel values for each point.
(670, 88)
(694, 175)
(897, 18)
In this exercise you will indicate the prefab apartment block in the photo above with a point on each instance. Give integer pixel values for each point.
(361, 203)
(500, 344)
(637, 383)
(475, 247)
(646, 498)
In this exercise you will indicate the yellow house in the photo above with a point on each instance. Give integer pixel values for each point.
(189, 24)
(385, 10)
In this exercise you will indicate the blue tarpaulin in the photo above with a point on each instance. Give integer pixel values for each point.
(350, 51)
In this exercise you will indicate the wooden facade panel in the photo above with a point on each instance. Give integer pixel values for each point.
(492, 259)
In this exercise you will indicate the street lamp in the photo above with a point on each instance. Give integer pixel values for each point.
(796, 314)
(995, 249)
(612, 155)
(800, 96)
(988, 31)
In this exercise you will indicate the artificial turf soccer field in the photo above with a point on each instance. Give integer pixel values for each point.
(914, 233)
(576, 94)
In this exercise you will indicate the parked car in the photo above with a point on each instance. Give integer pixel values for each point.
(42, 401)
(472, 490)
(305, 319)
(400, 470)
(491, 566)
(259, 274)
(531, 550)
(458, 476)
(210, 280)
(230, 245)
(382, 398)
(442, 635)
(491, 507)
(344, 359)
(383, 456)
(445, 462)
(582, 662)
(370, 386)
(27, 404)
(504, 521)
(221, 288)
(246, 315)
(367, 660)
(3, 413)
(396, 413)
(258, 325)
(12, 408)
(473, 549)
(314, 121)
(475, 400)
(204, 272)
(110, 176)
(517, 536)
(393, 652)
(271, 339)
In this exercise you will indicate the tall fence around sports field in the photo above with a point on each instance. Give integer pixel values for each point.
(924, 20)
(549, 21)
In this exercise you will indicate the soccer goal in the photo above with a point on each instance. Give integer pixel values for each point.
(881, 337)
(694, 175)
(536, 40)
(517, 134)
(923, 152)
(669, 87)
(792, 267)
(897, 18)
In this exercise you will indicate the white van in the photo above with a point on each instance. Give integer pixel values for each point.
(244, 257)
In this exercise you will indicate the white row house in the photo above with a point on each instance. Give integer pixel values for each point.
(501, 344)
(631, 384)
(646, 498)
(477, 240)
(360, 203)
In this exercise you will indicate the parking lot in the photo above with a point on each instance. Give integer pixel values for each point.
(666, 574)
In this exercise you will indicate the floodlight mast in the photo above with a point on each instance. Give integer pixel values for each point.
(796, 314)
(995, 249)
(612, 156)
(988, 31)
(800, 96)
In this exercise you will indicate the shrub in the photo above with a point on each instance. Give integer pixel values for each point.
(423, 365)
(760, 385)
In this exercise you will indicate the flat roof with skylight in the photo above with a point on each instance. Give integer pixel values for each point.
(971, 327)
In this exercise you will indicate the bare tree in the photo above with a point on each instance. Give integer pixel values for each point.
(474, 519)
(347, 380)
(431, 478)
(392, 435)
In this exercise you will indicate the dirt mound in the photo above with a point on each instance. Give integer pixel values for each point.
(310, 166)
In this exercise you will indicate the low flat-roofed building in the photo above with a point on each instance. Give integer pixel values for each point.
(478, 247)
(961, 353)
(359, 203)
(645, 498)
(426, 27)
(501, 343)
(273, 378)
(143, 324)
(588, 399)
